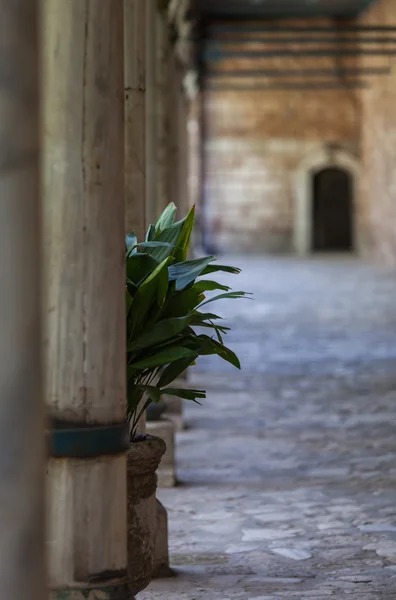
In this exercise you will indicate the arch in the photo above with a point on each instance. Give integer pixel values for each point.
(304, 192)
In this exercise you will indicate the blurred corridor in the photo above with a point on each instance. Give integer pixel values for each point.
(287, 471)
(273, 124)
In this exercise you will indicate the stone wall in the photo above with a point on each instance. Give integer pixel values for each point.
(255, 141)
(378, 191)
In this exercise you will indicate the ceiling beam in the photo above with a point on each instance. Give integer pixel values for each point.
(267, 27)
(276, 73)
(288, 86)
(217, 54)
(306, 40)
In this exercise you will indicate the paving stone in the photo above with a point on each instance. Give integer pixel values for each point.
(253, 535)
(262, 598)
(240, 548)
(274, 517)
(378, 528)
(277, 580)
(293, 553)
(296, 452)
(383, 548)
(357, 578)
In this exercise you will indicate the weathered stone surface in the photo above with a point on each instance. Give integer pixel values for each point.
(165, 430)
(378, 119)
(161, 555)
(379, 528)
(300, 442)
(143, 460)
(293, 553)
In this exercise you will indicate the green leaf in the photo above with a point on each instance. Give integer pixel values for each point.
(150, 235)
(183, 303)
(219, 336)
(154, 244)
(189, 394)
(157, 279)
(132, 288)
(134, 396)
(139, 266)
(228, 355)
(216, 328)
(210, 346)
(167, 218)
(183, 242)
(201, 317)
(128, 301)
(205, 285)
(169, 239)
(224, 268)
(178, 234)
(164, 357)
(163, 300)
(153, 392)
(152, 291)
(163, 330)
(187, 271)
(172, 371)
(227, 295)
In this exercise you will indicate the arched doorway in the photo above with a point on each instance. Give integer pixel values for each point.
(340, 170)
(332, 210)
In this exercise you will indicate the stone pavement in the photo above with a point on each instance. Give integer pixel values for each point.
(288, 471)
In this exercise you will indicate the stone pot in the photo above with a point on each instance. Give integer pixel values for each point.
(143, 459)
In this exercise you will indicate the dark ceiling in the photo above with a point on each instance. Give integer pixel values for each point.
(281, 8)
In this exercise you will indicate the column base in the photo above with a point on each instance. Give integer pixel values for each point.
(118, 591)
(161, 558)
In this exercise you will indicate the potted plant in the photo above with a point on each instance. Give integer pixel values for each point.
(167, 316)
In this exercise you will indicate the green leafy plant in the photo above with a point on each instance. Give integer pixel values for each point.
(167, 312)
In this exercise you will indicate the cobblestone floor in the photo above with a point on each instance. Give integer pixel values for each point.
(288, 472)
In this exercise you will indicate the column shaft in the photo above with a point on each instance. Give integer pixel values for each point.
(135, 115)
(83, 118)
(164, 101)
(152, 212)
(22, 573)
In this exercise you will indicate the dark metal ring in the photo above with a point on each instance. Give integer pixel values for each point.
(70, 440)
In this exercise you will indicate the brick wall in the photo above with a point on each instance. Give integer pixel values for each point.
(378, 193)
(255, 141)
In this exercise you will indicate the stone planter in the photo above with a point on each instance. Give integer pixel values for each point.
(165, 429)
(143, 459)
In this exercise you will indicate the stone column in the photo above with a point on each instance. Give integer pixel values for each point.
(193, 137)
(83, 121)
(173, 148)
(135, 24)
(152, 212)
(163, 110)
(180, 168)
(178, 148)
(182, 144)
(135, 76)
(166, 427)
(22, 573)
(205, 236)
